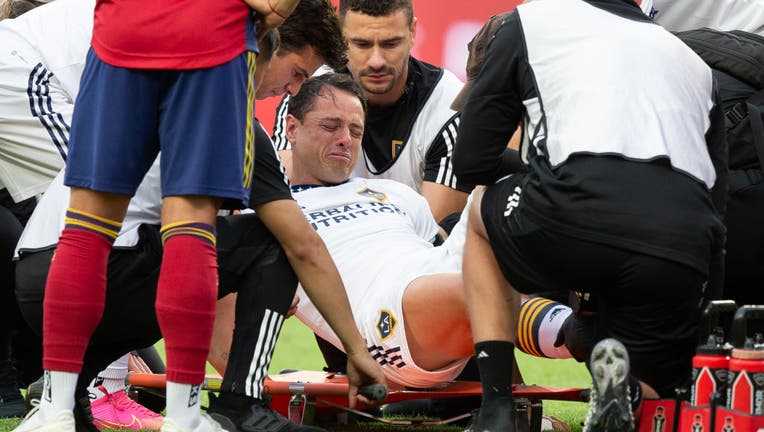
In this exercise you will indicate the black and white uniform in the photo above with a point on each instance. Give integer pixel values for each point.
(412, 140)
(624, 143)
(379, 234)
(250, 262)
(42, 56)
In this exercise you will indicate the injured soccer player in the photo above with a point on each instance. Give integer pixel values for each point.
(406, 293)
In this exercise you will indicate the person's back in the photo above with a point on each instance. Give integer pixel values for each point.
(604, 94)
(624, 141)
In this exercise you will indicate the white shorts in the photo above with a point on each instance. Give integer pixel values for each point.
(379, 318)
(35, 114)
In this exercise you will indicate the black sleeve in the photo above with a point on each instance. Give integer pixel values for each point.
(716, 140)
(494, 109)
(438, 162)
(269, 180)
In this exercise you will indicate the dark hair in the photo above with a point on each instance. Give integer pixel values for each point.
(14, 8)
(268, 44)
(377, 7)
(315, 23)
(304, 101)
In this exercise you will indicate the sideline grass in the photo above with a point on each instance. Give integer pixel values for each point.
(296, 349)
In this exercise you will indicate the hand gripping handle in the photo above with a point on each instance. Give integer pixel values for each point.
(373, 392)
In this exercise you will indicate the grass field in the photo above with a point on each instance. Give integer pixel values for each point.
(296, 349)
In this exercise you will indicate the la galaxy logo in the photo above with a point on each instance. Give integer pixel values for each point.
(368, 193)
(395, 148)
(386, 324)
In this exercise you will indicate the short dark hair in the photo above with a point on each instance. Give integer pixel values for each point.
(268, 44)
(315, 23)
(304, 101)
(377, 7)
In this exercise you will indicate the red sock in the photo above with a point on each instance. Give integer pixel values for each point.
(186, 297)
(75, 293)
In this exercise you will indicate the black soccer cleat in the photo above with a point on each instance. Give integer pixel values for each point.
(239, 413)
(11, 402)
(609, 405)
(497, 416)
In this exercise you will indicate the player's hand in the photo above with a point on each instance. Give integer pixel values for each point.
(363, 370)
(293, 307)
(136, 364)
(270, 13)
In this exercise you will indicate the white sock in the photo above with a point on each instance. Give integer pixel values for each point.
(112, 379)
(183, 404)
(57, 392)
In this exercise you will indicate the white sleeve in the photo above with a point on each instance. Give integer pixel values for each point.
(279, 138)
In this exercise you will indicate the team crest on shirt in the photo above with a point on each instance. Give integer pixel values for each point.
(369, 193)
(395, 148)
(386, 324)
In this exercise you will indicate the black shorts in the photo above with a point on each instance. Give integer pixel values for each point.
(648, 303)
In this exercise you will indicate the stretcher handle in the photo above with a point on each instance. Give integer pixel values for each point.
(740, 323)
(373, 392)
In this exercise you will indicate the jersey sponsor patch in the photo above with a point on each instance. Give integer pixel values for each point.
(386, 324)
(369, 193)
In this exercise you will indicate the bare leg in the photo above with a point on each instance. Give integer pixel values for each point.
(493, 304)
(222, 333)
(493, 309)
(437, 324)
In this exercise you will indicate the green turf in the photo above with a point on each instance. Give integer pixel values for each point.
(296, 349)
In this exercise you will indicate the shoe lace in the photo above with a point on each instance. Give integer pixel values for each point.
(121, 401)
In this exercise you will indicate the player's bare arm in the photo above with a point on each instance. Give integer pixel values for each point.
(443, 200)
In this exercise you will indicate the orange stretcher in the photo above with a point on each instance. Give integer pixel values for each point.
(304, 395)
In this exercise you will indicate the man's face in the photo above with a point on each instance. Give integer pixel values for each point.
(285, 73)
(378, 52)
(326, 142)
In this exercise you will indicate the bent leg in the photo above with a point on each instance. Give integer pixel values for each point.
(493, 309)
(437, 323)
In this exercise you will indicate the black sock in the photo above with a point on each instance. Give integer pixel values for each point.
(495, 360)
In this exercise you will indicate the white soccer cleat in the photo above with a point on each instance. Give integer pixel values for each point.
(62, 421)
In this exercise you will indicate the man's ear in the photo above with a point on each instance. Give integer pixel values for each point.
(412, 30)
(291, 123)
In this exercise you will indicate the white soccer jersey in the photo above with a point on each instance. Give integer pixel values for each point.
(42, 55)
(680, 15)
(379, 234)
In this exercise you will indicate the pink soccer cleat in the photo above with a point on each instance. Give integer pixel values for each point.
(118, 411)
